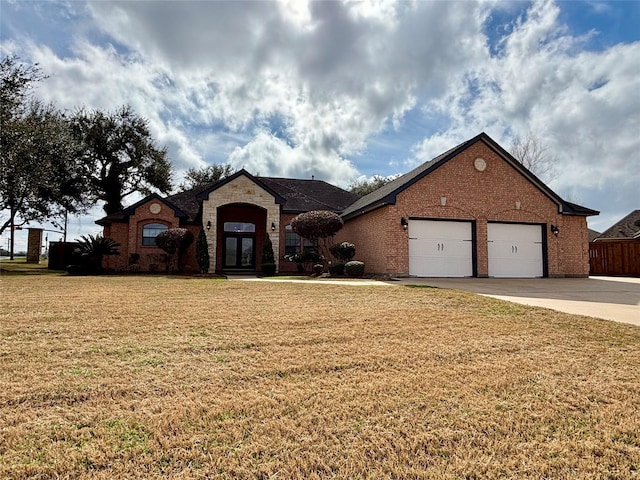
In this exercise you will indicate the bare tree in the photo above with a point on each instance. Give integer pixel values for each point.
(535, 156)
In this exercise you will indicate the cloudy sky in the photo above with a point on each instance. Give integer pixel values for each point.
(346, 90)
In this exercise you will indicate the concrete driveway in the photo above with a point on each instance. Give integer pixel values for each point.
(611, 298)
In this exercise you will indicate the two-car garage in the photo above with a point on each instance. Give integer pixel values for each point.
(447, 248)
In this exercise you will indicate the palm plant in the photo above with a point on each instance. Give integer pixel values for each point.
(97, 245)
(93, 248)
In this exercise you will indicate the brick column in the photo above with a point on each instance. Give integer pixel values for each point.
(34, 245)
(482, 248)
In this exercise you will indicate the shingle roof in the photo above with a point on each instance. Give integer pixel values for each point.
(628, 227)
(307, 195)
(387, 193)
(294, 195)
(592, 234)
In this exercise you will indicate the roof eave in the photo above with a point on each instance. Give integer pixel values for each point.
(388, 200)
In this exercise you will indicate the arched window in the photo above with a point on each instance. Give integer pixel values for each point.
(149, 233)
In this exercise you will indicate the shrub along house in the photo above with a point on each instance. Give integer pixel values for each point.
(472, 211)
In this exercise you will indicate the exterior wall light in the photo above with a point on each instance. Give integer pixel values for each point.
(443, 201)
(273, 227)
(555, 230)
(209, 225)
(404, 223)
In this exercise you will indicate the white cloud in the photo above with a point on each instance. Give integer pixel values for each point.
(269, 155)
(335, 73)
(583, 105)
(298, 88)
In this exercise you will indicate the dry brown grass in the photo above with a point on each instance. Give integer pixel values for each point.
(148, 377)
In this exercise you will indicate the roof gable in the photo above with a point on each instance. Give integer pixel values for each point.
(387, 193)
(204, 194)
(124, 215)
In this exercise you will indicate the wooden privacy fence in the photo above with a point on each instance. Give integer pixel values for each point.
(614, 258)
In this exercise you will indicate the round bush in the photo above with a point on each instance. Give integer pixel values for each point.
(354, 268)
(317, 268)
(336, 268)
(344, 251)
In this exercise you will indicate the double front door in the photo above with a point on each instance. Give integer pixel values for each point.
(239, 251)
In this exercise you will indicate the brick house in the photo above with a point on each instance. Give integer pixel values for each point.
(472, 211)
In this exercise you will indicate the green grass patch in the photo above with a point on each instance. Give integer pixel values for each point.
(20, 266)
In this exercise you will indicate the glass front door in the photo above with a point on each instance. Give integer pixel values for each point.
(239, 252)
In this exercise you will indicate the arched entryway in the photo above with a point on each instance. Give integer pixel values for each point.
(241, 236)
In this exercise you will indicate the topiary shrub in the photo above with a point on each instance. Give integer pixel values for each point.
(319, 227)
(344, 251)
(354, 268)
(305, 260)
(172, 241)
(336, 269)
(202, 252)
(268, 258)
(317, 269)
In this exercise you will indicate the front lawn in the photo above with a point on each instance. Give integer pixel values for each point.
(161, 377)
(19, 266)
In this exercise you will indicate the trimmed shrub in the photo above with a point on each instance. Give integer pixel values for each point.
(202, 252)
(269, 269)
(174, 240)
(319, 227)
(305, 259)
(336, 269)
(78, 270)
(354, 268)
(317, 269)
(344, 251)
(268, 258)
(317, 224)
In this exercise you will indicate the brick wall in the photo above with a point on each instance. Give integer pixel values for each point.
(129, 235)
(377, 244)
(499, 193)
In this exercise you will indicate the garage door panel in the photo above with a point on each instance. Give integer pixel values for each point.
(440, 248)
(515, 250)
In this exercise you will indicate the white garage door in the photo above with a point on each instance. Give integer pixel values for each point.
(515, 250)
(440, 248)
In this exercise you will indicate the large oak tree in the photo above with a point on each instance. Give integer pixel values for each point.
(120, 156)
(39, 175)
